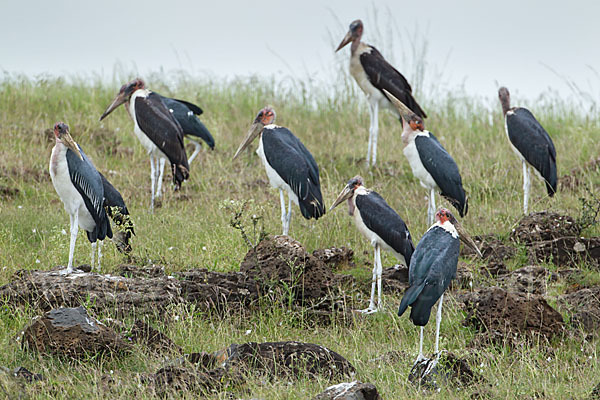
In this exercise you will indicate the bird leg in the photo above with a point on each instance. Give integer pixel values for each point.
(74, 229)
(160, 172)
(94, 245)
(379, 272)
(283, 213)
(431, 208)
(99, 256)
(372, 307)
(438, 322)
(526, 186)
(197, 149)
(289, 212)
(153, 181)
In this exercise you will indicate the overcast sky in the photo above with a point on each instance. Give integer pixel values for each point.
(529, 46)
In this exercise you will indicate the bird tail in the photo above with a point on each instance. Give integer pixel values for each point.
(462, 206)
(204, 134)
(551, 180)
(125, 226)
(181, 172)
(312, 206)
(410, 296)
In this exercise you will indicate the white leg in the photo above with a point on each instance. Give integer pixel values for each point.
(283, 213)
(379, 272)
(94, 245)
(153, 181)
(196, 150)
(375, 132)
(372, 307)
(74, 228)
(100, 255)
(420, 356)
(431, 207)
(526, 186)
(161, 172)
(438, 322)
(289, 213)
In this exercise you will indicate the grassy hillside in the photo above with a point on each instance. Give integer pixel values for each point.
(192, 229)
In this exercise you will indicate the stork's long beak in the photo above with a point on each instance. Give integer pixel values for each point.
(70, 143)
(119, 99)
(466, 238)
(347, 39)
(343, 196)
(405, 112)
(253, 132)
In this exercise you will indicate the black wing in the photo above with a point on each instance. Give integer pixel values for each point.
(191, 106)
(88, 183)
(297, 167)
(379, 217)
(444, 171)
(431, 270)
(534, 143)
(189, 123)
(158, 124)
(383, 75)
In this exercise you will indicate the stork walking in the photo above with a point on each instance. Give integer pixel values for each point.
(289, 165)
(430, 162)
(381, 226)
(531, 143)
(374, 74)
(432, 268)
(79, 186)
(157, 130)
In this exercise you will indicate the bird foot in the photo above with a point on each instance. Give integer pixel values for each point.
(368, 310)
(424, 371)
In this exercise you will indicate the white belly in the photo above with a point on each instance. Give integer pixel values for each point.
(371, 236)
(67, 192)
(274, 178)
(419, 171)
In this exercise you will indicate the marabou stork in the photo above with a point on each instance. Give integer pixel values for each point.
(432, 267)
(532, 144)
(374, 74)
(380, 225)
(430, 162)
(289, 165)
(157, 130)
(80, 187)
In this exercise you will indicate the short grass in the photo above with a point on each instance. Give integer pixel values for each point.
(192, 230)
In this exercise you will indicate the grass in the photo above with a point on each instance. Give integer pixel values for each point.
(192, 230)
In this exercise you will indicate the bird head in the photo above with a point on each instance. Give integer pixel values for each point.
(354, 33)
(504, 96)
(348, 191)
(62, 135)
(444, 215)
(408, 116)
(124, 95)
(264, 117)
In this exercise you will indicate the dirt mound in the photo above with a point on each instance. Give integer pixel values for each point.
(131, 271)
(495, 309)
(566, 251)
(8, 192)
(350, 391)
(335, 257)
(531, 279)
(394, 279)
(281, 259)
(72, 332)
(491, 247)
(584, 304)
(545, 225)
(153, 339)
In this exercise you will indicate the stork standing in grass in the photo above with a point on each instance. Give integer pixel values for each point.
(380, 225)
(289, 165)
(374, 74)
(531, 143)
(432, 268)
(430, 162)
(157, 130)
(79, 186)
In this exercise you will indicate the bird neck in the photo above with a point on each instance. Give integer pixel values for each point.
(505, 101)
(355, 45)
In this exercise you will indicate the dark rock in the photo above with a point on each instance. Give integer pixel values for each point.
(336, 257)
(134, 271)
(530, 279)
(566, 251)
(394, 279)
(350, 391)
(72, 332)
(450, 369)
(545, 225)
(495, 309)
(24, 373)
(281, 259)
(155, 340)
(584, 305)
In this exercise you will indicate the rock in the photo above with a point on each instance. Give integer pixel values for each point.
(336, 257)
(584, 305)
(530, 279)
(545, 225)
(155, 340)
(394, 279)
(350, 391)
(450, 369)
(281, 259)
(495, 309)
(566, 251)
(72, 332)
